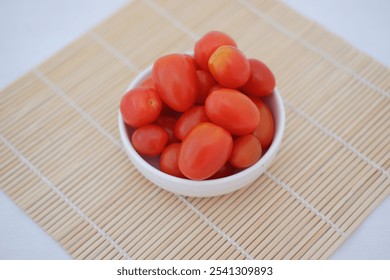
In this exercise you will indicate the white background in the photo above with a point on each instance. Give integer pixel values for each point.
(103, 270)
(32, 31)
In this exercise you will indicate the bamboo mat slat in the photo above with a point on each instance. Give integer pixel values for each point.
(62, 161)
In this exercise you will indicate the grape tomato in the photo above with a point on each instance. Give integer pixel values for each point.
(265, 131)
(246, 151)
(169, 160)
(176, 81)
(189, 120)
(233, 111)
(149, 140)
(204, 151)
(261, 81)
(140, 106)
(206, 45)
(229, 67)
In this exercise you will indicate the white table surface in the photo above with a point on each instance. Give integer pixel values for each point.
(32, 31)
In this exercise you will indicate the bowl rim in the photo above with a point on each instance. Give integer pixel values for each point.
(259, 165)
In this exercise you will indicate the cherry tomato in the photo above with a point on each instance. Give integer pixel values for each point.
(189, 120)
(176, 82)
(205, 82)
(140, 106)
(261, 81)
(168, 123)
(229, 67)
(232, 110)
(149, 140)
(148, 82)
(266, 129)
(204, 151)
(169, 160)
(246, 151)
(206, 45)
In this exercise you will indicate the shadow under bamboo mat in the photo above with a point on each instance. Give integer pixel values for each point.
(62, 161)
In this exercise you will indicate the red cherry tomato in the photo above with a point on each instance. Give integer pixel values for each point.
(266, 129)
(204, 151)
(206, 82)
(233, 111)
(206, 45)
(140, 106)
(261, 81)
(189, 120)
(168, 123)
(169, 160)
(246, 151)
(149, 140)
(176, 82)
(229, 67)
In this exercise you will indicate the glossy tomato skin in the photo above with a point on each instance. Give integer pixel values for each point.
(261, 81)
(175, 80)
(206, 45)
(140, 106)
(204, 151)
(149, 140)
(246, 151)
(232, 110)
(189, 120)
(229, 67)
(169, 160)
(205, 82)
(265, 131)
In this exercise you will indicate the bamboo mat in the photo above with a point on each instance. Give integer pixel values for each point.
(62, 161)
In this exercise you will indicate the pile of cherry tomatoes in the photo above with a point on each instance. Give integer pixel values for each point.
(203, 115)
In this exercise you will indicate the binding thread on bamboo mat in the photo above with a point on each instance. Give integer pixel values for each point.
(64, 165)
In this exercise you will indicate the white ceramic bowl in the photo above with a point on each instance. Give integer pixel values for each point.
(205, 188)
